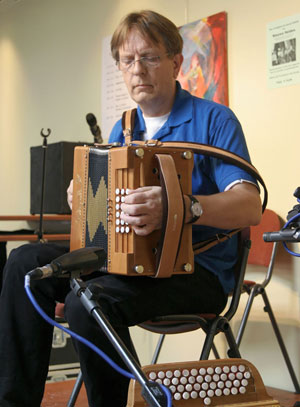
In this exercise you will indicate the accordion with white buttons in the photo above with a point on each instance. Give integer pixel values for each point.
(102, 175)
(220, 382)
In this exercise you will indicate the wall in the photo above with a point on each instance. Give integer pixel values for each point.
(50, 76)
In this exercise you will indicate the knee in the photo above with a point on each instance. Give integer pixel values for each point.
(78, 316)
(27, 257)
(19, 262)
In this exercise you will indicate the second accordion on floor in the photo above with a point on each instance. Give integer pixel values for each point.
(101, 178)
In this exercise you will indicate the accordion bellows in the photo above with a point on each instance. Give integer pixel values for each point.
(100, 180)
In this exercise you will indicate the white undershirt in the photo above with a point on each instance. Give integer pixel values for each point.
(153, 124)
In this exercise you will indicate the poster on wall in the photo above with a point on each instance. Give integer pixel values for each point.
(203, 72)
(283, 52)
(114, 96)
(204, 69)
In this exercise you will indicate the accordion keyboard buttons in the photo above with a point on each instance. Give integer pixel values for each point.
(205, 384)
(121, 226)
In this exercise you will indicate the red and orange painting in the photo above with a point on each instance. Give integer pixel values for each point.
(204, 69)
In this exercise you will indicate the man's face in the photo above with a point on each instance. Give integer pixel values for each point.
(152, 88)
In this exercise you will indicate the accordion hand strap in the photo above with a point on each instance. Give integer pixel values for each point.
(173, 217)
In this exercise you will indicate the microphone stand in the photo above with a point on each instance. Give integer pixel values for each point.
(44, 146)
(151, 391)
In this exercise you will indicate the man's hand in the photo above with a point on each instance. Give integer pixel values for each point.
(70, 194)
(142, 210)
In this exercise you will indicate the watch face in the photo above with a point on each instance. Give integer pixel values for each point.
(196, 209)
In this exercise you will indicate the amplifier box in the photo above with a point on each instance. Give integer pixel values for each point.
(58, 174)
(64, 363)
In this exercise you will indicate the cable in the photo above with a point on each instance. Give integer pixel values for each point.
(83, 340)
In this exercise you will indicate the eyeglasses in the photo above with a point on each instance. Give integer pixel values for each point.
(127, 65)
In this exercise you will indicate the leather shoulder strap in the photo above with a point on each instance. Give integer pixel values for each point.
(128, 119)
(217, 152)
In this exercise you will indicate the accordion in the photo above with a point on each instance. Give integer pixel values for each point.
(102, 175)
(218, 383)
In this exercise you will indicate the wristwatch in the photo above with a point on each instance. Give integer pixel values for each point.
(195, 208)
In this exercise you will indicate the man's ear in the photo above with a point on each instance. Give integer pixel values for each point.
(177, 60)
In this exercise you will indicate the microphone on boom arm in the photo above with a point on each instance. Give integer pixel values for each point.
(82, 260)
(95, 129)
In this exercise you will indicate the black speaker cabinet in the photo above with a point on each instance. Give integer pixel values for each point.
(58, 174)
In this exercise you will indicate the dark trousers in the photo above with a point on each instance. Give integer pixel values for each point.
(25, 338)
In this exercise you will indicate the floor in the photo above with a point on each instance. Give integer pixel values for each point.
(57, 394)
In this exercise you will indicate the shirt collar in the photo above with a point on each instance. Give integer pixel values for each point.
(182, 111)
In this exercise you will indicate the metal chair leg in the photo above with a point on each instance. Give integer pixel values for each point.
(75, 390)
(253, 293)
(158, 349)
(285, 354)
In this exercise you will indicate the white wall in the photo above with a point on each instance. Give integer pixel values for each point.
(50, 76)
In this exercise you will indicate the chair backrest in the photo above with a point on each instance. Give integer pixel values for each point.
(261, 251)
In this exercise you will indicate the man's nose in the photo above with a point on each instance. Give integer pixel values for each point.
(138, 67)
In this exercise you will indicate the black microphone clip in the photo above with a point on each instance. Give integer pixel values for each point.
(82, 261)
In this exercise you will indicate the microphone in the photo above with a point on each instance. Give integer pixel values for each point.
(285, 235)
(83, 260)
(95, 129)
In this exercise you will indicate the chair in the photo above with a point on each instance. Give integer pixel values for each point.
(211, 324)
(264, 254)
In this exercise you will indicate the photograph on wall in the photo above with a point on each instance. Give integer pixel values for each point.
(204, 69)
(283, 51)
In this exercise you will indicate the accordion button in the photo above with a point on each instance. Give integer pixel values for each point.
(194, 394)
(218, 392)
(194, 372)
(202, 394)
(152, 375)
(183, 380)
(117, 191)
(177, 396)
(205, 386)
(244, 382)
(192, 379)
(186, 395)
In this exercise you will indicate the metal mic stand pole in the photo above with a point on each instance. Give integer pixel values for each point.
(45, 146)
(151, 391)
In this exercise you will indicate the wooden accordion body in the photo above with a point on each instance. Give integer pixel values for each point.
(101, 177)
